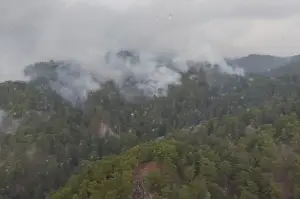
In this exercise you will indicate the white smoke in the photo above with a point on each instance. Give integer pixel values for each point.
(134, 74)
(8, 124)
(150, 77)
(212, 56)
(40, 30)
(73, 83)
(3, 114)
(147, 76)
(67, 78)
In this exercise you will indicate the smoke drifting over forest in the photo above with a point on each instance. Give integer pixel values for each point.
(59, 30)
(2, 115)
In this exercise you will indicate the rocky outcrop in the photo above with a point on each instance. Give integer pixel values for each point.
(105, 130)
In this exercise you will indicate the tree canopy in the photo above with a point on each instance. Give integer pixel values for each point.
(212, 136)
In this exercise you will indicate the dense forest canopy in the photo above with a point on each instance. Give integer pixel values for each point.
(206, 135)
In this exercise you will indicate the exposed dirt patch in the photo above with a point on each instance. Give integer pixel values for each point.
(143, 170)
(139, 190)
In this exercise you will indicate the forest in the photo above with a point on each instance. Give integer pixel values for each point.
(212, 136)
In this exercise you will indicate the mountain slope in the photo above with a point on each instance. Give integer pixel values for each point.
(255, 63)
(292, 68)
(56, 137)
(249, 156)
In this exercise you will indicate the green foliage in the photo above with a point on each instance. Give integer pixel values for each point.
(220, 137)
(198, 167)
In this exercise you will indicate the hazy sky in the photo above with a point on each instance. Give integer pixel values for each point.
(33, 30)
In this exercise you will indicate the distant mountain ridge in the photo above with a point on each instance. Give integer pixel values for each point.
(257, 63)
(292, 68)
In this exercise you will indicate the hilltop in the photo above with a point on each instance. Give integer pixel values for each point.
(257, 63)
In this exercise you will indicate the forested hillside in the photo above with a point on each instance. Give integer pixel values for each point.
(225, 136)
(261, 64)
(249, 153)
(255, 63)
(291, 69)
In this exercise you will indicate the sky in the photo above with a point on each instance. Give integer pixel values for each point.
(37, 30)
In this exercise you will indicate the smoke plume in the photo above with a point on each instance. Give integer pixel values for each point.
(67, 78)
(3, 114)
(40, 30)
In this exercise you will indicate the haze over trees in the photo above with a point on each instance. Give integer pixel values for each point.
(206, 134)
